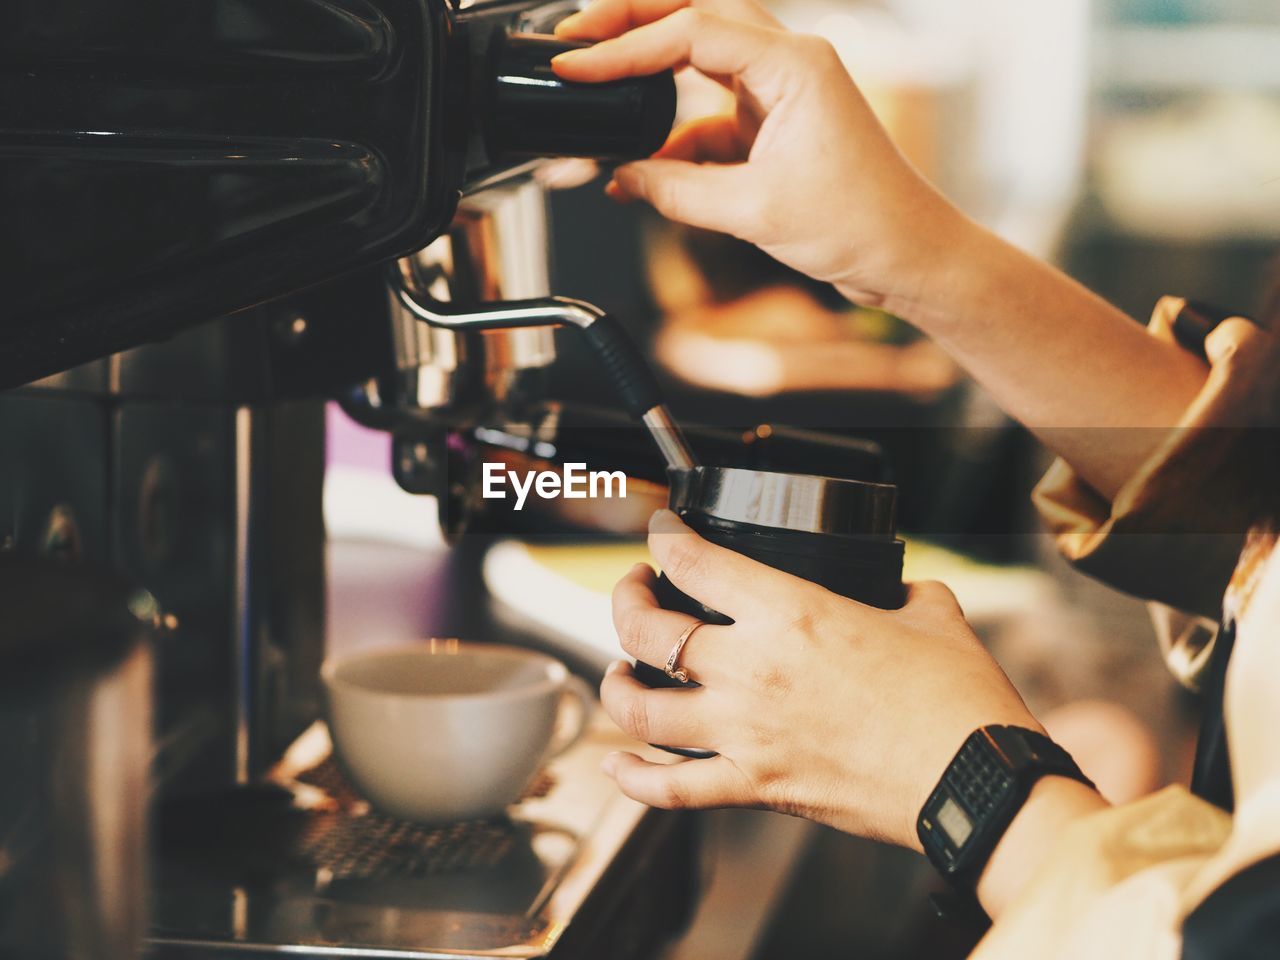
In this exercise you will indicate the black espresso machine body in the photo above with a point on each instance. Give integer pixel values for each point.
(163, 164)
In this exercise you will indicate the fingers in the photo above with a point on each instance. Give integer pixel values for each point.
(648, 632)
(726, 581)
(710, 197)
(565, 173)
(710, 43)
(759, 56)
(685, 785)
(608, 18)
(1240, 352)
(706, 140)
(1228, 337)
(675, 717)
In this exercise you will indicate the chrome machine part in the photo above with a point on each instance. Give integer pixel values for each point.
(626, 367)
(495, 249)
(666, 433)
(786, 501)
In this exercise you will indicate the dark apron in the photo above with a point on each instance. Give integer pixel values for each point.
(1241, 919)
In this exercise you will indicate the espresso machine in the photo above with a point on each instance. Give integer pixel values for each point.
(221, 215)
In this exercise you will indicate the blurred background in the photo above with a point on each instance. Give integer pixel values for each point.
(1136, 143)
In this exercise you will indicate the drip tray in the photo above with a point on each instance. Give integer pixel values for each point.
(302, 865)
(378, 848)
(355, 843)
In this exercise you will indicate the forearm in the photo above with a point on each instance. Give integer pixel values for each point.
(804, 149)
(1079, 373)
(1054, 802)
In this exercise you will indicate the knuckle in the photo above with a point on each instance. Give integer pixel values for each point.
(663, 195)
(935, 591)
(632, 628)
(684, 560)
(805, 618)
(770, 784)
(932, 596)
(633, 717)
(947, 597)
(775, 684)
(1221, 345)
(672, 795)
(1229, 339)
(799, 621)
(763, 735)
(814, 49)
(777, 793)
(688, 19)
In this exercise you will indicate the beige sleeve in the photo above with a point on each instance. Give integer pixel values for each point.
(1118, 884)
(1112, 887)
(1174, 532)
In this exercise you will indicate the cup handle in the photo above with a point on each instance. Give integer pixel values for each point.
(582, 693)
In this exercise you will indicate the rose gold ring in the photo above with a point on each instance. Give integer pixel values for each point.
(671, 669)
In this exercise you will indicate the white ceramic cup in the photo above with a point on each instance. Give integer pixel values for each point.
(447, 730)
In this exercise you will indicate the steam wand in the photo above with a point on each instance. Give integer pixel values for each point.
(623, 363)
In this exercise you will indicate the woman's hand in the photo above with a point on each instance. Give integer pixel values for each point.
(818, 706)
(802, 169)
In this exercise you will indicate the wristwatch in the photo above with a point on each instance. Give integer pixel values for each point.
(981, 792)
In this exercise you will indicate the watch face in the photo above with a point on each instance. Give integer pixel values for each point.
(954, 822)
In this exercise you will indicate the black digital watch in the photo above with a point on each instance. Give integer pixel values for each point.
(981, 792)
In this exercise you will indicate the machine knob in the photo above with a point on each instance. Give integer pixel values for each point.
(533, 113)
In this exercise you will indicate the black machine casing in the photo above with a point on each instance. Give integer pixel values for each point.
(163, 164)
(201, 201)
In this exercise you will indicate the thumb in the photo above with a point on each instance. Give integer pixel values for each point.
(707, 196)
(683, 785)
(1228, 337)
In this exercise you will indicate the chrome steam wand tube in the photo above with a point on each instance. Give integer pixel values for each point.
(624, 364)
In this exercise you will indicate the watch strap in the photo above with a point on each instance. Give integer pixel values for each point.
(1033, 751)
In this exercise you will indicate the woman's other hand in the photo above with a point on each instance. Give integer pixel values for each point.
(802, 168)
(819, 706)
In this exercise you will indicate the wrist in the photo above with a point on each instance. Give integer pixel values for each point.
(1053, 803)
(994, 780)
(933, 280)
(943, 754)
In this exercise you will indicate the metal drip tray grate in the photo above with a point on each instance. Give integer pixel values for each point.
(357, 844)
(373, 847)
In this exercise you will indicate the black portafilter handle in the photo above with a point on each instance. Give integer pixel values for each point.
(531, 112)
